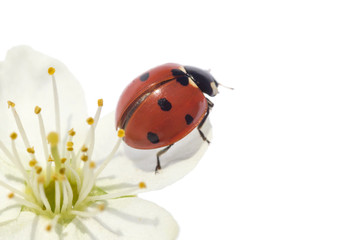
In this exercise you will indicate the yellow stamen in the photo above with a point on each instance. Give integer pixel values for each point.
(10, 104)
(48, 228)
(13, 135)
(101, 207)
(84, 158)
(11, 195)
(100, 102)
(38, 169)
(62, 171)
(121, 133)
(32, 163)
(108, 158)
(50, 159)
(69, 144)
(70, 149)
(31, 150)
(92, 164)
(51, 71)
(90, 121)
(84, 149)
(72, 132)
(37, 110)
(142, 185)
(53, 138)
(63, 160)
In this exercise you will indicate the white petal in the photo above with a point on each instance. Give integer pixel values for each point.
(84, 229)
(28, 226)
(128, 219)
(9, 209)
(133, 165)
(24, 80)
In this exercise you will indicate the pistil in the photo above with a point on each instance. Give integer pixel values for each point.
(53, 139)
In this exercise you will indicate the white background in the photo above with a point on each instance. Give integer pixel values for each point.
(284, 162)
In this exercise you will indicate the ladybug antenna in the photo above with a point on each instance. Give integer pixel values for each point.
(231, 88)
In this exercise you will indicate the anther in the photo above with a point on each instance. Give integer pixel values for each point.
(48, 228)
(84, 158)
(38, 169)
(121, 133)
(31, 150)
(100, 103)
(32, 162)
(63, 160)
(142, 185)
(11, 195)
(69, 144)
(50, 159)
(51, 71)
(13, 135)
(92, 164)
(101, 207)
(70, 149)
(62, 171)
(72, 132)
(84, 149)
(90, 121)
(53, 138)
(37, 110)
(10, 104)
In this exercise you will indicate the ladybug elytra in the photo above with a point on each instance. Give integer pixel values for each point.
(163, 105)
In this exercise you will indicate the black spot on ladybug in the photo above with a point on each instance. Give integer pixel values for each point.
(164, 104)
(144, 77)
(183, 80)
(153, 137)
(177, 72)
(189, 119)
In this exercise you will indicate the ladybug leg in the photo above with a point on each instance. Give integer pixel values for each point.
(210, 106)
(158, 154)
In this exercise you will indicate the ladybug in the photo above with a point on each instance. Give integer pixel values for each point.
(163, 105)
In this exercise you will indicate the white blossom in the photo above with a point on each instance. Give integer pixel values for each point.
(65, 175)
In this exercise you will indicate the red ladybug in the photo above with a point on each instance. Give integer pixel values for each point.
(163, 105)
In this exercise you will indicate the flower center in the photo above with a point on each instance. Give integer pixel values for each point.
(63, 185)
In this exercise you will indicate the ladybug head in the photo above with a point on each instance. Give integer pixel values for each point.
(204, 80)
